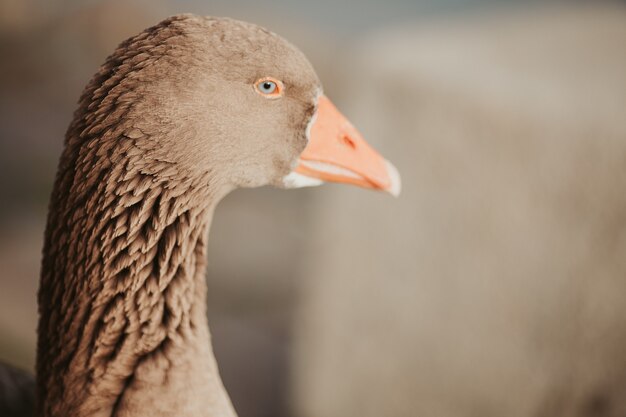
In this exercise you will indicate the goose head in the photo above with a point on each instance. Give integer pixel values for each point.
(245, 108)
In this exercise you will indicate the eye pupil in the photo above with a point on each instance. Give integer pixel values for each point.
(267, 85)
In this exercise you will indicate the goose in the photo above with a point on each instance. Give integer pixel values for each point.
(176, 118)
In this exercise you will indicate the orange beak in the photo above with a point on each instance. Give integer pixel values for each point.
(338, 153)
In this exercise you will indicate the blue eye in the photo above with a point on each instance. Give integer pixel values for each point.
(269, 87)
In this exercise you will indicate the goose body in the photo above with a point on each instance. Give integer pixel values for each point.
(177, 117)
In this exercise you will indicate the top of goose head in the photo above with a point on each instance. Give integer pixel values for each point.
(229, 102)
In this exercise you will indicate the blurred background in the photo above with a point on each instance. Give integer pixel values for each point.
(494, 286)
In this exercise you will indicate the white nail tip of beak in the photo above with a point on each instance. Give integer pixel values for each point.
(296, 180)
(396, 184)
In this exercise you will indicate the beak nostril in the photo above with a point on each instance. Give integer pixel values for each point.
(347, 140)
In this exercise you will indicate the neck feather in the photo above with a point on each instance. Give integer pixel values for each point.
(122, 299)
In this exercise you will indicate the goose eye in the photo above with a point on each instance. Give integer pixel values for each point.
(269, 87)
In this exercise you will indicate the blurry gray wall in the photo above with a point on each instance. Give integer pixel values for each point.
(496, 284)
(506, 120)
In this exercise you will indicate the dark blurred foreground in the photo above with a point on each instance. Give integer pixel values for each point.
(17, 392)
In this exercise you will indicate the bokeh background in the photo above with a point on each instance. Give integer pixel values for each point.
(494, 286)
